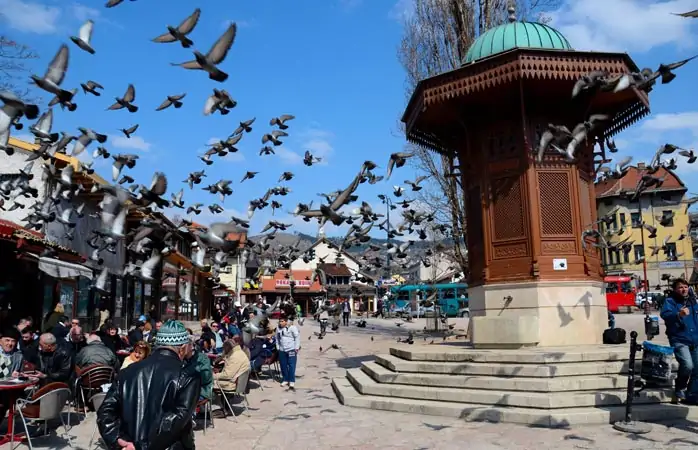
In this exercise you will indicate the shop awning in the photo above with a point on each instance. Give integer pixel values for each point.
(62, 269)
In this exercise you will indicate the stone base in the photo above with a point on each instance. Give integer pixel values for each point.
(543, 313)
(547, 387)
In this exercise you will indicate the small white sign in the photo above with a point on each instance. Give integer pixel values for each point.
(560, 264)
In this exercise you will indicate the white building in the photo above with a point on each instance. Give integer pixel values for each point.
(10, 170)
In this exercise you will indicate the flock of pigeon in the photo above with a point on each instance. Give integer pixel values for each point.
(151, 240)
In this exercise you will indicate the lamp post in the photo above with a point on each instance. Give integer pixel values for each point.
(388, 202)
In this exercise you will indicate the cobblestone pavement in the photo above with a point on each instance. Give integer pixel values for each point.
(311, 417)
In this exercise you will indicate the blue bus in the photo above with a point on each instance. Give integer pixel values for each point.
(451, 297)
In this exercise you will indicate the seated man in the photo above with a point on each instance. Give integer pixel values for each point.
(11, 358)
(96, 353)
(54, 361)
(260, 349)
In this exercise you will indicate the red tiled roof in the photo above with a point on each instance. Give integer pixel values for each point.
(335, 270)
(300, 276)
(628, 183)
(7, 229)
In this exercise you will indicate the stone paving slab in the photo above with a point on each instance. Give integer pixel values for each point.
(317, 420)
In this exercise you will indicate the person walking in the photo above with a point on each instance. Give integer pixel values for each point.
(150, 405)
(288, 343)
(680, 314)
(346, 312)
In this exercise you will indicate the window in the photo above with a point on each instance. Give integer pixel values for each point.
(636, 219)
(626, 287)
(671, 221)
(638, 251)
(612, 287)
(622, 219)
(613, 224)
(626, 255)
(671, 251)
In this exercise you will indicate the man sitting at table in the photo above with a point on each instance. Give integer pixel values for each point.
(54, 362)
(96, 353)
(11, 358)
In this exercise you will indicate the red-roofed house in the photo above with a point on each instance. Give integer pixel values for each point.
(615, 199)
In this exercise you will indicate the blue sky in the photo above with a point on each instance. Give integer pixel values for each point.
(331, 63)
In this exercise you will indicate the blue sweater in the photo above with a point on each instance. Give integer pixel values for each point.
(681, 330)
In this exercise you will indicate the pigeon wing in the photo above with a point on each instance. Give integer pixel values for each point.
(130, 94)
(159, 184)
(58, 66)
(220, 49)
(85, 33)
(190, 22)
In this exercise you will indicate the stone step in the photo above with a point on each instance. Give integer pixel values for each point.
(366, 385)
(547, 355)
(564, 417)
(559, 384)
(397, 364)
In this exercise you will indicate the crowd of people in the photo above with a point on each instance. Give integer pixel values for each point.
(155, 363)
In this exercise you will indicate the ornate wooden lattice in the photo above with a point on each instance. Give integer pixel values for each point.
(585, 202)
(507, 210)
(555, 204)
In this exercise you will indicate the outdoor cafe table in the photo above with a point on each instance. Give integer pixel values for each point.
(13, 388)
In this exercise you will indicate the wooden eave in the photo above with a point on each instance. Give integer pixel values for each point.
(510, 66)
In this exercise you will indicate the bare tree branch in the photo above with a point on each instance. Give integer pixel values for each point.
(13, 69)
(436, 39)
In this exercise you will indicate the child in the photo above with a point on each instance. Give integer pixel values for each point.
(288, 343)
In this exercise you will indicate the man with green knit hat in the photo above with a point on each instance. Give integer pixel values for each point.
(151, 403)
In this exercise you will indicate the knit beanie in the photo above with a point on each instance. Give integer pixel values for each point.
(172, 334)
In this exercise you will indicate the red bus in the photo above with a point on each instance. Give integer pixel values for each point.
(619, 292)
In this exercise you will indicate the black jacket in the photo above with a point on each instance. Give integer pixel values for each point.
(151, 405)
(57, 366)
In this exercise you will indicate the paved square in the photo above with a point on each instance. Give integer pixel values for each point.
(311, 417)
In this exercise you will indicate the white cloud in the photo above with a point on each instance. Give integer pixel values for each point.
(30, 17)
(83, 13)
(401, 10)
(286, 155)
(624, 25)
(132, 143)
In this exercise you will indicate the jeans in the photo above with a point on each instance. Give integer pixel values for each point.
(288, 367)
(345, 318)
(687, 358)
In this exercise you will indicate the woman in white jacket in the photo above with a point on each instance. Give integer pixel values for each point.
(288, 343)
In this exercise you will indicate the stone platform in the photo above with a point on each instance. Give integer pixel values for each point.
(548, 387)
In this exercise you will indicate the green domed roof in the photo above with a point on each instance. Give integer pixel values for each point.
(516, 35)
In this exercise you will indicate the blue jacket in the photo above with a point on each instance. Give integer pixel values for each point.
(680, 330)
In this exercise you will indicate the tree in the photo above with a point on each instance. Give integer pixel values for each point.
(436, 39)
(13, 58)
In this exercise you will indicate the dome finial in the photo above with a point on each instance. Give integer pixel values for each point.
(512, 12)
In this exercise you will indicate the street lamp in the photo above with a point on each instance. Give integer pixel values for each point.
(388, 202)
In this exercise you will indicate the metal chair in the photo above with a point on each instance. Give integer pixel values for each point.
(272, 363)
(92, 379)
(240, 389)
(208, 412)
(47, 404)
(97, 401)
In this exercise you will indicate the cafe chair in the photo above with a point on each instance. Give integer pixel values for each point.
(271, 360)
(206, 406)
(240, 389)
(96, 401)
(89, 381)
(46, 404)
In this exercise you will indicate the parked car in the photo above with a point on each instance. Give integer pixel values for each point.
(653, 298)
(422, 311)
(464, 312)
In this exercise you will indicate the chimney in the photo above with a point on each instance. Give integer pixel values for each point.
(641, 166)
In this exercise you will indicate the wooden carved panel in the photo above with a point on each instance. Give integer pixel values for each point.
(475, 235)
(507, 251)
(585, 202)
(500, 141)
(555, 204)
(507, 210)
(552, 248)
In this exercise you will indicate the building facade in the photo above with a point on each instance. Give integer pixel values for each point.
(626, 213)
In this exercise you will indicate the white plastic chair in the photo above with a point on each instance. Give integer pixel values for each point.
(240, 388)
(51, 406)
(97, 401)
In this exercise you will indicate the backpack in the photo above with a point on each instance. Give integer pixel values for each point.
(614, 336)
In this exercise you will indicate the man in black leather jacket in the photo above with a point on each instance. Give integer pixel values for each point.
(53, 361)
(151, 404)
